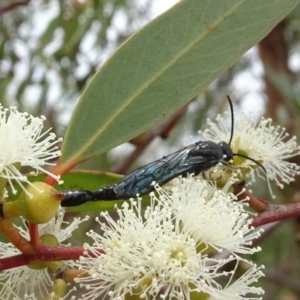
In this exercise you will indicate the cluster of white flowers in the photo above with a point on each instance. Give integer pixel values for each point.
(29, 282)
(165, 250)
(260, 141)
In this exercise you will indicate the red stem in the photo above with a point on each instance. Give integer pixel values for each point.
(34, 234)
(59, 169)
(257, 204)
(275, 213)
(44, 254)
(13, 235)
(11, 6)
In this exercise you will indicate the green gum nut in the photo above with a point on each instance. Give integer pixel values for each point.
(39, 204)
(59, 290)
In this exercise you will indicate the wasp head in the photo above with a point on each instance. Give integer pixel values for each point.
(226, 151)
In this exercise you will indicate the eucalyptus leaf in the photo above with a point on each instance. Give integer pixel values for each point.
(162, 67)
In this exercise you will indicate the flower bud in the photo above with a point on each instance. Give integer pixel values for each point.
(38, 204)
(58, 290)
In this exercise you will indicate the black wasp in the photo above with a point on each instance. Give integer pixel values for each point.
(196, 158)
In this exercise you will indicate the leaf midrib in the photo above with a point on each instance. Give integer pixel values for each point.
(151, 80)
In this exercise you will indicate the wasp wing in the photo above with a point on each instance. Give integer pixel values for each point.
(140, 180)
(161, 171)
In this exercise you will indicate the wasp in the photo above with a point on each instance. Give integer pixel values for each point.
(195, 158)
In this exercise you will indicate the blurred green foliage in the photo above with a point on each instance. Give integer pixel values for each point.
(50, 49)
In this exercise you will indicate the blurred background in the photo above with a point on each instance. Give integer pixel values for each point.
(50, 49)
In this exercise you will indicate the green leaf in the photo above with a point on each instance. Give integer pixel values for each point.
(87, 180)
(162, 67)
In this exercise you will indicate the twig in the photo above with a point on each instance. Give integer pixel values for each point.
(14, 236)
(259, 205)
(275, 213)
(11, 6)
(268, 213)
(44, 253)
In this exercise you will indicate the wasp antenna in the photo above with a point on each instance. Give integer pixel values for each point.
(232, 119)
(247, 157)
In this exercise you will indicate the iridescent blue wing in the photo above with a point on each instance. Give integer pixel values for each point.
(161, 171)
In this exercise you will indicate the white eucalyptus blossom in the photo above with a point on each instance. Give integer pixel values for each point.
(210, 215)
(29, 283)
(22, 143)
(163, 253)
(260, 140)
